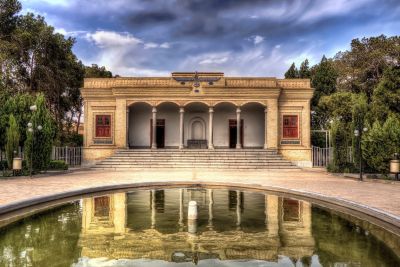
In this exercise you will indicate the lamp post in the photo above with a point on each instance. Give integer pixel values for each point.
(359, 133)
(32, 129)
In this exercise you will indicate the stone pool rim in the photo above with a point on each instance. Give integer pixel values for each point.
(379, 217)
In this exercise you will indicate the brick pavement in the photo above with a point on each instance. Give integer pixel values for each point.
(382, 197)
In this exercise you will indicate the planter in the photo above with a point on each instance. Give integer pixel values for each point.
(17, 164)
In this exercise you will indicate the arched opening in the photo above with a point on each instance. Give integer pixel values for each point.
(139, 129)
(225, 125)
(253, 115)
(196, 125)
(168, 125)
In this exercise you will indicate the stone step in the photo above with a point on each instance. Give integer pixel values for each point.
(133, 159)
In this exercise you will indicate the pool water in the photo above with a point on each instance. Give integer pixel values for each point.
(234, 228)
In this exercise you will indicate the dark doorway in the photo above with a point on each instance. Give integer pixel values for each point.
(160, 133)
(233, 133)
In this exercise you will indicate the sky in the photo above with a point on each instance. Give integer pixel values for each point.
(237, 37)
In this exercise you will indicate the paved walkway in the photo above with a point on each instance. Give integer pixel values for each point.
(377, 196)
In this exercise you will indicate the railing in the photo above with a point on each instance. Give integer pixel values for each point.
(321, 157)
(70, 155)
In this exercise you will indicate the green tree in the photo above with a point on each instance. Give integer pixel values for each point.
(292, 72)
(8, 20)
(95, 71)
(17, 105)
(39, 143)
(359, 111)
(340, 144)
(381, 142)
(12, 140)
(361, 68)
(323, 80)
(386, 97)
(305, 72)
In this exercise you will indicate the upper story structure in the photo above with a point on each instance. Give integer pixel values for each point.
(197, 110)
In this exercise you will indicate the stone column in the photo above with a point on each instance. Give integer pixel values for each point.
(120, 123)
(127, 127)
(238, 210)
(181, 210)
(238, 124)
(210, 208)
(154, 134)
(273, 124)
(153, 208)
(181, 137)
(265, 128)
(210, 128)
(272, 215)
(119, 212)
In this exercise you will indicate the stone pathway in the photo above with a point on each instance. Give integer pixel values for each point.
(382, 197)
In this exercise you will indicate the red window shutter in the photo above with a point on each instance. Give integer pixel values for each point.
(103, 126)
(290, 126)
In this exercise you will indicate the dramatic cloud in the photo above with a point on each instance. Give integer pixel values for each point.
(238, 37)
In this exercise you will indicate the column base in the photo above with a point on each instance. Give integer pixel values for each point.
(238, 146)
(181, 147)
(153, 146)
(211, 147)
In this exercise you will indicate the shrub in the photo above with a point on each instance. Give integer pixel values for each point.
(57, 165)
(12, 140)
(340, 143)
(381, 142)
(40, 142)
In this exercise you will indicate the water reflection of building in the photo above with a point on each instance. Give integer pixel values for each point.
(231, 225)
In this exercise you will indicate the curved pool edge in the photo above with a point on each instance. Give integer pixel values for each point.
(380, 217)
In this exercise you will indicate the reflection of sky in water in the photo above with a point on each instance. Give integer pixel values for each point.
(104, 262)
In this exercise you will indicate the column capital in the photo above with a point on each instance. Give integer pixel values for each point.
(266, 110)
(154, 110)
(181, 110)
(238, 110)
(211, 109)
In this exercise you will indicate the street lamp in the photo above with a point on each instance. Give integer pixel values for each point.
(32, 130)
(358, 133)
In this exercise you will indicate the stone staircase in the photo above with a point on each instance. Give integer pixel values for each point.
(131, 159)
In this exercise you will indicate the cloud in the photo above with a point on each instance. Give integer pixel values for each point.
(112, 39)
(253, 38)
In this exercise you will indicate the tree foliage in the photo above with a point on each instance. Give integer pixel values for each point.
(292, 72)
(39, 143)
(12, 140)
(304, 71)
(386, 96)
(381, 142)
(361, 68)
(95, 71)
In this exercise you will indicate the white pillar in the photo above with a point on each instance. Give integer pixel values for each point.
(265, 128)
(238, 133)
(210, 128)
(181, 116)
(127, 127)
(181, 209)
(210, 208)
(238, 209)
(154, 135)
(153, 208)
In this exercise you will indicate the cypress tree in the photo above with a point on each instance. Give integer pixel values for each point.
(12, 140)
(304, 71)
(292, 72)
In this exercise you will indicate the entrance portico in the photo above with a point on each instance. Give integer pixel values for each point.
(198, 110)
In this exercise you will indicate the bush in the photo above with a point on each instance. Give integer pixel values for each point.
(380, 143)
(57, 165)
(41, 141)
(12, 135)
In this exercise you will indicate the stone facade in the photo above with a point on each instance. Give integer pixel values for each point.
(200, 95)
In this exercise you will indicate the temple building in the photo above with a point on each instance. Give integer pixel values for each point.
(197, 110)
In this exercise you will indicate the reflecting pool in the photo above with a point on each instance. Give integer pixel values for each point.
(234, 228)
